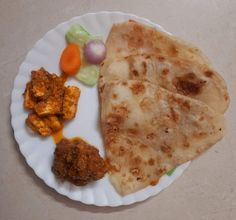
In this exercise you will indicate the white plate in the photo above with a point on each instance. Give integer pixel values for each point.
(37, 151)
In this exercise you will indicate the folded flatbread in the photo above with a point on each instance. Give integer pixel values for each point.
(161, 104)
(135, 51)
(149, 130)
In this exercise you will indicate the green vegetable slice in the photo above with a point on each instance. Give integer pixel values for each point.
(170, 172)
(88, 75)
(78, 35)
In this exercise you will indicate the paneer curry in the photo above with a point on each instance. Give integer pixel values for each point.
(50, 101)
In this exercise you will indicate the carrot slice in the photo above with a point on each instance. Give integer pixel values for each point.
(70, 59)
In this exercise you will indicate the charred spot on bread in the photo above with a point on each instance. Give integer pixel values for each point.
(151, 162)
(144, 65)
(146, 103)
(166, 149)
(189, 84)
(165, 71)
(208, 73)
(161, 58)
(150, 136)
(114, 96)
(174, 115)
(137, 88)
(173, 51)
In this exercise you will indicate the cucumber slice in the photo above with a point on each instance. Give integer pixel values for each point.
(78, 35)
(88, 75)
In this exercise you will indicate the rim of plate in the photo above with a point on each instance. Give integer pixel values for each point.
(177, 173)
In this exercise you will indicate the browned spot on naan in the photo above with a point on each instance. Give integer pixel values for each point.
(101, 88)
(144, 65)
(135, 171)
(173, 51)
(146, 104)
(161, 58)
(122, 151)
(114, 96)
(165, 72)
(189, 84)
(154, 182)
(186, 143)
(150, 136)
(226, 97)
(135, 41)
(135, 73)
(160, 171)
(151, 162)
(121, 110)
(137, 88)
(113, 122)
(133, 131)
(184, 104)
(166, 149)
(143, 146)
(208, 73)
(157, 96)
(200, 134)
(174, 115)
(136, 161)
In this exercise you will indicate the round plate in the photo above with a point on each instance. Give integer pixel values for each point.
(38, 151)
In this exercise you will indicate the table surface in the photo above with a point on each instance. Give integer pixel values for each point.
(206, 190)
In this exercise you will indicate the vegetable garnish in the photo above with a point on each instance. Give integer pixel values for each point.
(170, 172)
(88, 75)
(95, 51)
(78, 35)
(92, 53)
(70, 59)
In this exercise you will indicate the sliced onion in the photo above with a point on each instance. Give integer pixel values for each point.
(95, 51)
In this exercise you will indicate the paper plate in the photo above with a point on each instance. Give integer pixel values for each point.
(38, 151)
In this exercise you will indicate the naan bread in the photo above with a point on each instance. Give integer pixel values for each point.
(149, 130)
(162, 104)
(136, 51)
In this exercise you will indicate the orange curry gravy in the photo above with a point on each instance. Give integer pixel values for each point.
(58, 136)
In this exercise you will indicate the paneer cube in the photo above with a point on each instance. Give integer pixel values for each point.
(44, 126)
(70, 101)
(29, 100)
(53, 104)
(41, 84)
